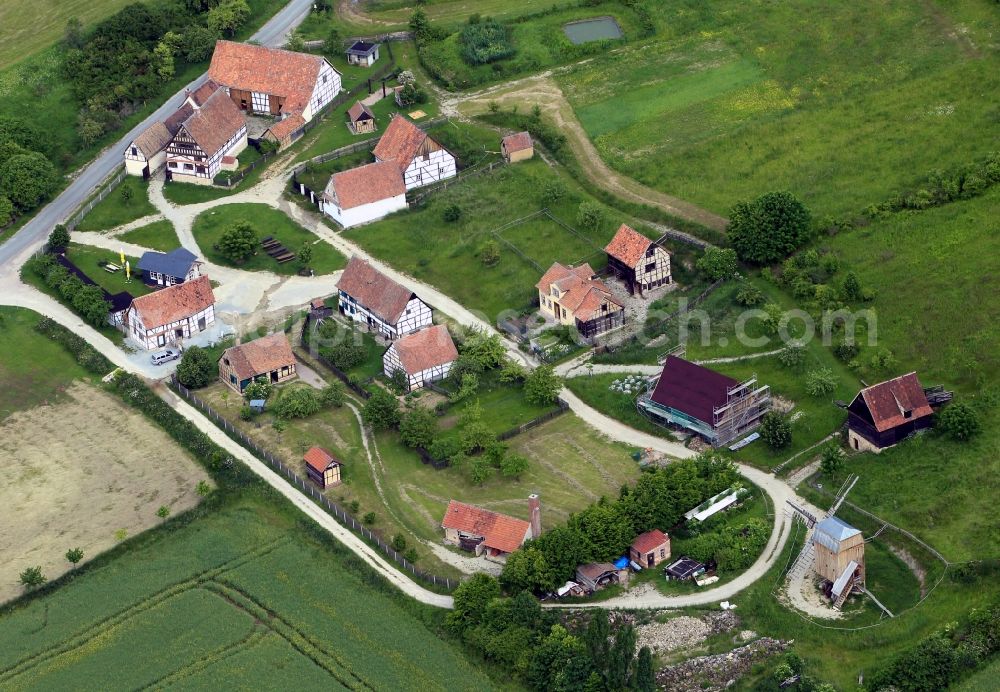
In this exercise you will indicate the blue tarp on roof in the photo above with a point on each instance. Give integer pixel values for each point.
(621, 563)
(176, 263)
(831, 532)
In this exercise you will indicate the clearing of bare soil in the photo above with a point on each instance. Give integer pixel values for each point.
(78, 473)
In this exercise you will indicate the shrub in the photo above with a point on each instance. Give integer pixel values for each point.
(369, 518)
(846, 351)
(300, 402)
(452, 213)
(381, 411)
(239, 243)
(768, 228)
(258, 389)
(775, 430)
(590, 215)
(196, 368)
(490, 254)
(832, 459)
(820, 382)
(58, 238)
(959, 421)
(332, 395)
(485, 42)
(717, 263)
(792, 356)
(749, 295)
(345, 355)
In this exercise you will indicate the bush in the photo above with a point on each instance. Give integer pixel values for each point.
(485, 42)
(959, 421)
(590, 215)
(239, 243)
(300, 402)
(749, 295)
(718, 263)
(345, 355)
(196, 368)
(381, 411)
(258, 389)
(820, 382)
(490, 254)
(775, 430)
(792, 356)
(332, 395)
(768, 228)
(452, 213)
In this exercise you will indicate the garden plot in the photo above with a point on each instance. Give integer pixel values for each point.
(79, 472)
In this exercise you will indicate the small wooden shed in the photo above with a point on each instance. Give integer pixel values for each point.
(837, 546)
(360, 119)
(321, 467)
(517, 147)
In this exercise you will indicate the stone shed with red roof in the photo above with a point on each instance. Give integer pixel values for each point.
(419, 158)
(718, 408)
(886, 413)
(424, 356)
(637, 260)
(384, 306)
(170, 315)
(517, 147)
(270, 357)
(482, 531)
(650, 549)
(364, 194)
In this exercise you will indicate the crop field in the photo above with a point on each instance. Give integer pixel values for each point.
(243, 594)
(842, 103)
(266, 221)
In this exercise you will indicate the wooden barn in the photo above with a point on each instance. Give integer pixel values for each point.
(650, 549)
(423, 356)
(705, 402)
(360, 119)
(371, 298)
(574, 296)
(321, 467)
(594, 576)
(269, 356)
(886, 413)
(637, 260)
(840, 556)
(517, 147)
(420, 159)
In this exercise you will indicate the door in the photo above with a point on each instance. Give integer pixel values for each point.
(651, 560)
(145, 172)
(201, 324)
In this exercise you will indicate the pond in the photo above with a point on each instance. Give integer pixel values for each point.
(598, 29)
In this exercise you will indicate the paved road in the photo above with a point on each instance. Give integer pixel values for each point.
(34, 233)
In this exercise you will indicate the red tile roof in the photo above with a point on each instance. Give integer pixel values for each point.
(887, 401)
(357, 110)
(691, 388)
(400, 142)
(265, 70)
(372, 182)
(628, 245)
(174, 303)
(283, 128)
(581, 294)
(499, 531)
(320, 459)
(260, 356)
(426, 349)
(374, 290)
(201, 94)
(153, 139)
(517, 142)
(649, 541)
(215, 123)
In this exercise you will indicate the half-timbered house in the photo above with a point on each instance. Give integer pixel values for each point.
(637, 260)
(172, 314)
(423, 356)
(360, 119)
(371, 298)
(270, 357)
(272, 81)
(364, 194)
(886, 413)
(420, 159)
(215, 129)
(574, 296)
(168, 268)
(321, 467)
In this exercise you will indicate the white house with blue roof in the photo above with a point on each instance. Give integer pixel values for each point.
(169, 268)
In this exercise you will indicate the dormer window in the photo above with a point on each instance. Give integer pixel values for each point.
(555, 291)
(907, 414)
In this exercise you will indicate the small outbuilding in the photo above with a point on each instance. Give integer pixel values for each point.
(886, 413)
(650, 549)
(321, 467)
(484, 532)
(362, 53)
(517, 147)
(594, 576)
(840, 555)
(168, 268)
(684, 568)
(364, 194)
(360, 119)
(637, 260)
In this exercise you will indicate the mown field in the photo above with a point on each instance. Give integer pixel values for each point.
(841, 103)
(159, 235)
(243, 597)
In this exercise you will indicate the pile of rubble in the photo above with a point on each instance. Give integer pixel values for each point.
(718, 672)
(684, 631)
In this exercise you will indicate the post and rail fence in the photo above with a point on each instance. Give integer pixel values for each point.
(108, 188)
(308, 488)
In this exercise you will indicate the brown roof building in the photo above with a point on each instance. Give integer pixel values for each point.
(517, 147)
(637, 260)
(370, 297)
(420, 159)
(886, 413)
(171, 314)
(366, 184)
(482, 531)
(269, 356)
(650, 549)
(574, 296)
(321, 467)
(360, 118)
(215, 123)
(424, 356)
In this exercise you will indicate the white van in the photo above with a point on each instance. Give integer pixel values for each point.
(165, 356)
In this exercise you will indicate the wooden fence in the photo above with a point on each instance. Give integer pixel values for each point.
(422, 193)
(308, 488)
(535, 422)
(105, 191)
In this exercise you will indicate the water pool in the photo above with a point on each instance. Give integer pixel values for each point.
(598, 29)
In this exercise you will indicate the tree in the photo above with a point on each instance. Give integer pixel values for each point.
(333, 44)
(821, 382)
(832, 459)
(513, 465)
(852, 287)
(420, 26)
(452, 213)
(483, 349)
(399, 382)
(512, 371)
(332, 396)
(490, 254)
(768, 228)
(239, 243)
(542, 385)
(369, 518)
(645, 677)
(717, 263)
(346, 354)
(417, 427)
(526, 569)
(74, 555)
(31, 578)
(163, 61)
(480, 470)
(959, 421)
(470, 601)
(590, 215)
(597, 637)
(381, 411)
(89, 302)
(792, 356)
(300, 402)
(749, 295)
(304, 257)
(775, 430)
(295, 42)
(58, 238)
(196, 368)
(258, 389)
(620, 658)
(197, 43)
(6, 211)
(27, 179)
(227, 17)
(399, 543)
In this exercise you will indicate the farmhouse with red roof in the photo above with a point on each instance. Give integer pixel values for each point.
(637, 260)
(886, 413)
(370, 297)
(574, 296)
(270, 357)
(481, 531)
(171, 314)
(364, 194)
(424, 356)
(419, 158)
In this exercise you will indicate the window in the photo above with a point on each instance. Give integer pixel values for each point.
(189, 166)
(650, 251)
(232, 377)
(201, 169)
(325, 78)
(226, 361)
(663, 553)
(555, 291)
(907, 414)
(650, 267)
(135, 152)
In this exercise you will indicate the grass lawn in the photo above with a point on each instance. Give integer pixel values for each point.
(503, 406)
(394, 14)
(114, 210)
(249, 582)
(211, 224)
(843, 104)
(333, 331)
(43, 377)
(87, 258)
(159, 235)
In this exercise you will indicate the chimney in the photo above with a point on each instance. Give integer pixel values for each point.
(535, 512)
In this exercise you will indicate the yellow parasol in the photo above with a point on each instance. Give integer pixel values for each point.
(128, 271)
(121, 255)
